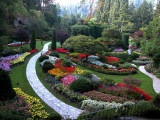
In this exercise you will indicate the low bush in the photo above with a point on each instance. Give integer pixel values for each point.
(107, 81)
(156, 59)
(87, 74)
(55, 54)
(105, 66)
(81, 85)
(47, 66)
(43, 57)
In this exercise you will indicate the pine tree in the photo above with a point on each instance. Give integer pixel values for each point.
(53, 45)
(33, 41)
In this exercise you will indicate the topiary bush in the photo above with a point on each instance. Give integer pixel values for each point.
(156, 100)
(81, 85)
(54, 54)
(47, 66)
(43, 57)
(6, 90)
(107, 81)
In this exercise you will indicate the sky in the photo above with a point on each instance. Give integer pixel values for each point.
(67, 2)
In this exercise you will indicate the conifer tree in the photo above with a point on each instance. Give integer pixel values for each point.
(33, 41)
(53, 45)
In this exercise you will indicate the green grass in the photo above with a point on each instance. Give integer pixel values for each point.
(18, 74)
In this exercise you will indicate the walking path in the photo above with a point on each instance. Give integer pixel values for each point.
(66, 111)
(156, 81)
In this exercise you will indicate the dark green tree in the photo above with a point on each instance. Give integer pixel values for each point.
(53, 44)
(33, 41)
(80, 30)
(6, 90)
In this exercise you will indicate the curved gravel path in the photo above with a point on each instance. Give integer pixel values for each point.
(66, 111)
(156, 81)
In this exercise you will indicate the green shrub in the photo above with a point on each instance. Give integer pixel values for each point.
(87, 74)
(125, 38)
(105, 66)
(129, 59)
(71, 50)
(121, 61)
(156, 59)
(134, 55)
(132, 81)
(113, 34)
(81, 85)
(156, 100)
(6, 90)
(102, 58)
(54, 54)
(66, 63)
(43, 57)
(126, 66)
(107, 81)
(47, 66)
(80, 30)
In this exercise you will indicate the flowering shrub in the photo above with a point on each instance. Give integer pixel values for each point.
(18, 107)
(10, 58)
(35, 106)
(61, 50)
(99, 96)
(68, 79)
(75, 97)
(33, 51)
(128, 91)
(20, 59)
(74, 54)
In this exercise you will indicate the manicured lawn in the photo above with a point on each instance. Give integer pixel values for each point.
(18, 74)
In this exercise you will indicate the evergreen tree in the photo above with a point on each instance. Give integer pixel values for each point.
(53, 45)
(33, 40)
(157, 11)
(6, 90)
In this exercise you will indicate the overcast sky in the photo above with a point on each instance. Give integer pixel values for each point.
(67, 2)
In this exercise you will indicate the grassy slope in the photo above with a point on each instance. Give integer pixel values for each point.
(18, 74)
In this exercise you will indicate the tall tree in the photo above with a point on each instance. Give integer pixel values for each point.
(53, 44)
(33, 40)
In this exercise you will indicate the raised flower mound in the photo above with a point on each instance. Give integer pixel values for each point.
(112, 59)
(82, 56)
(20, 59)
(99, 96)
(57, 71)
(68, 79)
(36, 107)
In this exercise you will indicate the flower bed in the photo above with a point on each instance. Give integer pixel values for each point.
(74, 97)
(99, 96)
(68, 79)
(20, 59)
(33, 51)
(117, 50)
(142, 62)
(106, 71)
(93, 105)
(123, 90)
(61, 50)
(35, 106)
(18, 107)
(5, 66)
(17, 44)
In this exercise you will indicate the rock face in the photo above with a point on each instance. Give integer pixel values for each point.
(19, 21)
